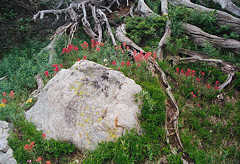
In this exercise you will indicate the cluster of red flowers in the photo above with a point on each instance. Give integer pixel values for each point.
(11, 95)
(56, 66)
(139, 57)
(69, 48)
(128, 63)
(29, 146)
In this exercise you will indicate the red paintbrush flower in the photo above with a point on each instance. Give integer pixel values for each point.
(114, 63)
(46, 73)
(11, 94)
(4, 94)
(122, 63)
(4, 101)
(128, 63)
(84, 57)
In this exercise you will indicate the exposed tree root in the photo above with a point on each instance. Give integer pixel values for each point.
(2, 78)
(222, 18)
(40, 85)
(172, 113)
(167, 34)
(225, 67)
(200, 37)
(229, 6)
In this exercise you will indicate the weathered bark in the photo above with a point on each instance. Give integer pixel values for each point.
(200, 37)
(222, 18)
(167, 34)
(229, 6)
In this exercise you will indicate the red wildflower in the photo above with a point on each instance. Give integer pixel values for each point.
(119, 68)
(187, 73)
(128, 63)
(217, 82)
(114, 62)
(193, 73)
(182, 71)
(55, 65)
(154, 55)
(197, 79)
(26, 147)
(4, 94)
(189, 70)
(97, 49)
(127, 48)
(4, 101)
(46, 73)
(208, 86)
(124, 44)
(48, 162)
(75, 48)
(32, 143)
(56, 68)
(177, 69)
(194, 96)
(38, 159)
(101, 44)
(134, 52)
(138, 65)
(84, 57)
(64, 50)
(122, 63)
(147, 55)
(43, 135)
(93, 44)
(96, 43)
(70, 46)
(203, 73)
(11, 94)
(61, 66)
(78, 59)
(138, 57)
(216, 87)
(84, 45)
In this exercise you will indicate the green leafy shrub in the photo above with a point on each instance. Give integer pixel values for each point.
(146, 32)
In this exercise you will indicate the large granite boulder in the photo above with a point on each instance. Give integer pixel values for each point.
(86, 104)
(6, 153)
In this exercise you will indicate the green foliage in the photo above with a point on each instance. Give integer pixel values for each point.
(20, 67)
(146, 32)
(47, 149)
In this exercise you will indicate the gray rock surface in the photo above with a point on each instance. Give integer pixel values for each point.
(86, 104)
(6, 153)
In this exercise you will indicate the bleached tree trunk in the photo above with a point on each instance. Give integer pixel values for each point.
(229, 6)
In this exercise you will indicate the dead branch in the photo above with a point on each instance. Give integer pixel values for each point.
(144, 10)
(222, 18)
(2, 78)
(121, 36)
(229, 6)
(167, 34)
(200, 37)
(99, 11)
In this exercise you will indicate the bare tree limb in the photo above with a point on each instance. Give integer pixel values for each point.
(222, 18)
(200, 37)
(229, 6)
